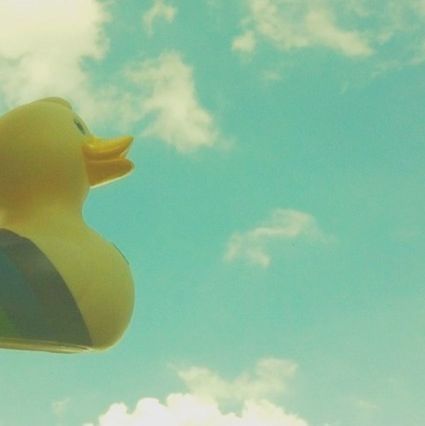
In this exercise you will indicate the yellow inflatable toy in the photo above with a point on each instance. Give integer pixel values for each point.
(63, 288)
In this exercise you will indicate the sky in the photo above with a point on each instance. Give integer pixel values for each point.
(274, 222)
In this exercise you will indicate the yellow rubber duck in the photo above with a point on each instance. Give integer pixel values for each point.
(63, 288)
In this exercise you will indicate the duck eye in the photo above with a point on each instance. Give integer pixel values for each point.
(80, 127)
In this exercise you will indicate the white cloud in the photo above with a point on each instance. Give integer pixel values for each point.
(284, 225)
(289, 24)
(245, 42)
(48, 57)
(203, 409)
(269, 380)
(171, 101)
(186, 409)
(159, 10)
(43, 44)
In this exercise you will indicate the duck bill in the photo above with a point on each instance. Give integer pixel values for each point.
(105, 159)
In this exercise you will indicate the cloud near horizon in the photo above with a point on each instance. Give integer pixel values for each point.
(282, 225)
(201, 406)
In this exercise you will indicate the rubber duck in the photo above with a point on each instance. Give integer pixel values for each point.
(63, 287)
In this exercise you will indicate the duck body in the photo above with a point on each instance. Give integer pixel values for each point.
(63, 288)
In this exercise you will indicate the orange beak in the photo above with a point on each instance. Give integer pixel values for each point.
(105, 159)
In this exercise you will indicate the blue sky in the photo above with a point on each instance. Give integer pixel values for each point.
(274, 222)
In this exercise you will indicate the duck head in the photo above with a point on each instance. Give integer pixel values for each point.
(47, 153)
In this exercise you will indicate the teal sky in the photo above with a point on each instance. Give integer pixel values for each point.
(275, 219)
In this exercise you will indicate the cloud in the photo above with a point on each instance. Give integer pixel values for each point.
(246, 42)
(390, 33)
(269, 379)
(289, 25)
(324, 31)
(43, 45)
(186, 409)
(159, 10)
(171, 101)
(203, 409)
(49, 58)
(282, 225)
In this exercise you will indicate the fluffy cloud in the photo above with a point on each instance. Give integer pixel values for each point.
(284, 225)
(186, 409)
(170, 100)
(43, 44)
(299, 24)
(203, 408)
(159, 10)
(48, 57)
(269, 380)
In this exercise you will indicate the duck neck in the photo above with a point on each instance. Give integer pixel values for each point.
(49, 218)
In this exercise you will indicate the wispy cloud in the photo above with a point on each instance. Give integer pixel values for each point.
(245, 42)
(203, 408)
(60, 407)
(159, 10)
(291, 25)
(390, 32)
(171, 101)
(282, 225)
(364, 404)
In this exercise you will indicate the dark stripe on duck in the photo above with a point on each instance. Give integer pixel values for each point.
(43, 307)
(18, 302)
